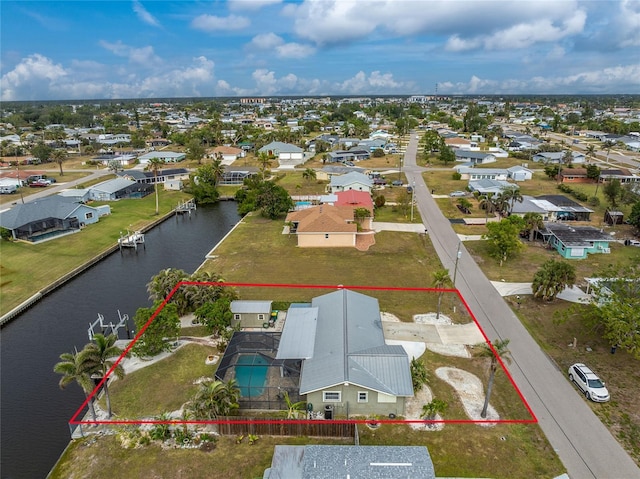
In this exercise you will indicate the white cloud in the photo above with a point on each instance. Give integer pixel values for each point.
(294, 50)
(629, 24)
(211, 23)
(144, 15)
(622, 78)
(144, 56)
(266, 41)
(522, 35)
(375, 83)
(469, 24)
(30, 79)
(37, 77)
(273, 42)
(250, 4)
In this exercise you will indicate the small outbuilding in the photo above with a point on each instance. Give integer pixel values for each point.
(250, 314)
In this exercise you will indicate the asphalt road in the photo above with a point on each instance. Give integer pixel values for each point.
(585, 446)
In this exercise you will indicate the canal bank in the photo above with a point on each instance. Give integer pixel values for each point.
(72, 274)
(35, 411)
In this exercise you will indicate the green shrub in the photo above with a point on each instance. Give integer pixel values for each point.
(456, 176)
(594, 201)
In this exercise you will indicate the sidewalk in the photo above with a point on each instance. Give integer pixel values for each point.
(572, 294)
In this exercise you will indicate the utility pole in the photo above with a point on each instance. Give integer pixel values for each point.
(413, 195)
(455, 269)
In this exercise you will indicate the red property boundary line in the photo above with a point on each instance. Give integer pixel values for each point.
(75, 421)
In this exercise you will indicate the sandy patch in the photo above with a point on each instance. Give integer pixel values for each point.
(392, 318)
(413, 411)
(470, 391)
(431, 318)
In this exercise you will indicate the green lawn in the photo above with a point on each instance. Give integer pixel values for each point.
(21, 269)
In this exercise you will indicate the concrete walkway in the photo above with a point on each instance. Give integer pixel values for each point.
(402, 227)
(572, 294)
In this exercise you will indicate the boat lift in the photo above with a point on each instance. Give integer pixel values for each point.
(131, 240)
(104, 327)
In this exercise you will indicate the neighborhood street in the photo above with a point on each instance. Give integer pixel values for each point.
(583, 443)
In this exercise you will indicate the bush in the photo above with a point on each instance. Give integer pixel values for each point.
(594, 201)
(378, 153)
(419, 375)
(380, 201)
(456, 176)
(5, 234)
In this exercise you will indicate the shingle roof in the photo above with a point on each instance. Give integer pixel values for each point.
(354, 462)
(571, 235)
(281, 147)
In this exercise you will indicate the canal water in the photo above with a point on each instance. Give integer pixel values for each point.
(34, 412)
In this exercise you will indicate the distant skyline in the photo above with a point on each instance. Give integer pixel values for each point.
(149, 49)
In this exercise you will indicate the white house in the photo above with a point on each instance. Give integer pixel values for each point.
(287, 154)
(351, 181)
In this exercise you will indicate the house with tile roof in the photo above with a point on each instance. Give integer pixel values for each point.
(228, 154)
(347, 368)
(324, 226)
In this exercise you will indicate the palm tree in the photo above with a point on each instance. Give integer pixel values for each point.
(295, 408)
(607, 145)
(534, 223)
(591, 150)
(484, 201)
(59, 156)
(265, 162)
(215, 398)
(309, 174)
(487, 351)
(77, 367)
(511, 195)
(155, 165)
(435, 407)
(101, 352)
(440, 280)
(217, 168)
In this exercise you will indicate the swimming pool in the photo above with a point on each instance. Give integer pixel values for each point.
(251, 374)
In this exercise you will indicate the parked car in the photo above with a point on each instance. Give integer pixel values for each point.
(396, 183)
(588, 382)
(41, 183)
(379, 181)
(8, 189)
(457, 193)
(630, 242)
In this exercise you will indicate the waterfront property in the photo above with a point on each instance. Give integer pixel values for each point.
(49, 218)
(118, 189)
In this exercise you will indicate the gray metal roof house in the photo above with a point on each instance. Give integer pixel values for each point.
(49, 217)
(351, 181)
(348, 369)
(119, 188)
(354, 462)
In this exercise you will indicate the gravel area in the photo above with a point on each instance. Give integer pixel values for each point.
(470, 391)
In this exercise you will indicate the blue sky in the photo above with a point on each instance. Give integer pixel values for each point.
(145, 49)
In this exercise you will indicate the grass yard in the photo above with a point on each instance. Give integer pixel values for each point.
(21, 269)
(163, 386)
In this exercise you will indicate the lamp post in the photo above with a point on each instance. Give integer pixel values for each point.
(455, 269)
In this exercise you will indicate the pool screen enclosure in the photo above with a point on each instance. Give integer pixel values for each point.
(262, 379)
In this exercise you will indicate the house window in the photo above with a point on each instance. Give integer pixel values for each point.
(261, 317)
(331, 396)
(363, 396)
(236, 317)
(88, 215)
